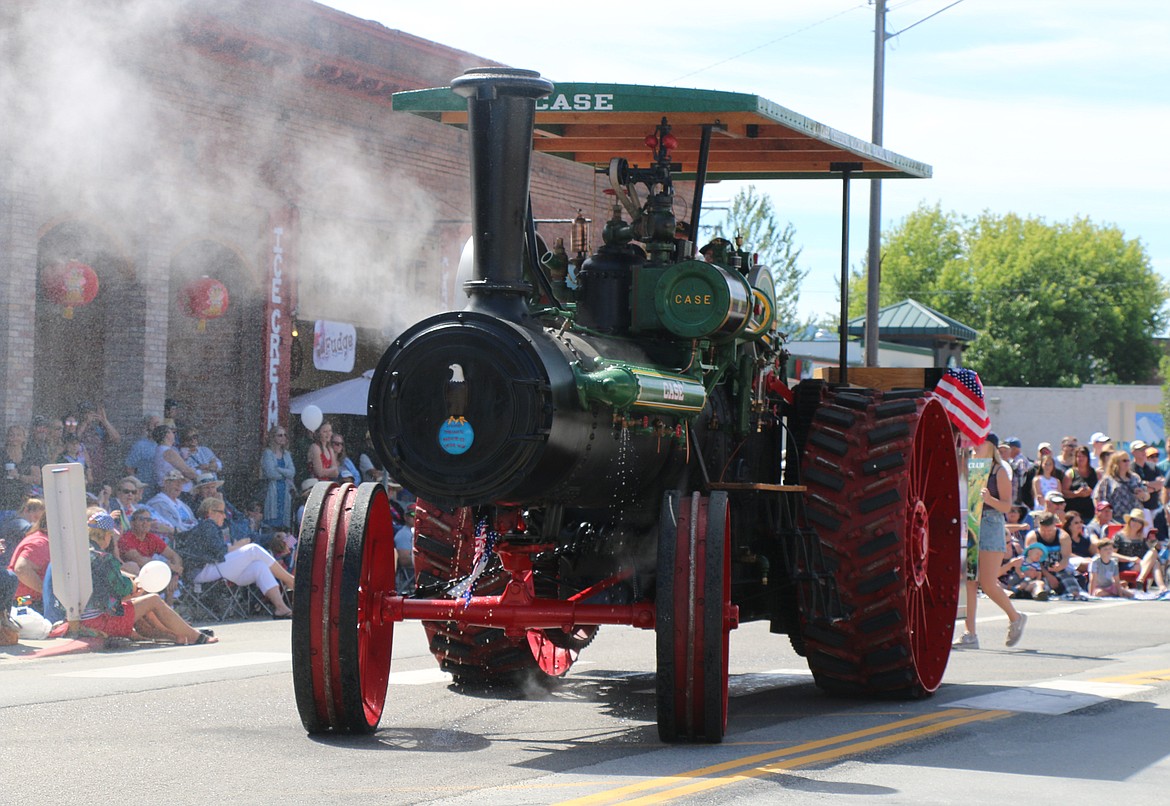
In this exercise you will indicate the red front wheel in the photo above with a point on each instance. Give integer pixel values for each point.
(694, 618)
(341, 646)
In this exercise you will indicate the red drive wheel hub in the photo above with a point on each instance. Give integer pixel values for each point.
(933, 538)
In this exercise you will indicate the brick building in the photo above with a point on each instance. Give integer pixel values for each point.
(254, 144)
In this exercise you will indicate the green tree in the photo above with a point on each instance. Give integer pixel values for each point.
(753, 218)
(923, 258)
(1055, 304)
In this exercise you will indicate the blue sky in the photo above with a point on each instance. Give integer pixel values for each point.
(1046, 108)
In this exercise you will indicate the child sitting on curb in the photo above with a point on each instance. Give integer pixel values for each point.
(1105, 573)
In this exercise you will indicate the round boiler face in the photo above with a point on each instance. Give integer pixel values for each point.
(459, 408)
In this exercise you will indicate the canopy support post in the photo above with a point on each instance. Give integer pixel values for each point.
(700, 181)
(844, 168)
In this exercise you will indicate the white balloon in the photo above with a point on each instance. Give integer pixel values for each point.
(311, 417)
(154, 576)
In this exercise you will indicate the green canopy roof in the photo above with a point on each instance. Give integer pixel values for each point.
(753, 138)
(911, 319)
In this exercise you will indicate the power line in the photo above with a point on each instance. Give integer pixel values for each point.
(901, 6)
(798, 31)
(924, 19)
(767, 44)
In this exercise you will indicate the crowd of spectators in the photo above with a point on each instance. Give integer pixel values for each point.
(162, 498)
(158, 498)
(1090, 520)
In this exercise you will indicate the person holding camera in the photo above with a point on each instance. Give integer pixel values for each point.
(18, 473)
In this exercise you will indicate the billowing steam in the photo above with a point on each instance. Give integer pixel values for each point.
(74, 108)
(113, 114)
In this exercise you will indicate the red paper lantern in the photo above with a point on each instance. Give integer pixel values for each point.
(203, 299)
(70, 284)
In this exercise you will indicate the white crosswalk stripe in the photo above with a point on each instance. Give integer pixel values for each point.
(184, 666)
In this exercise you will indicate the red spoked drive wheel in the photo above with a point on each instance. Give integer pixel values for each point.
(341, 646)
(444, 550)
(694, 618)
(883, 487)
(555, 651)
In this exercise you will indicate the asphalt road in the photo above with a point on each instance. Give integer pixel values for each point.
(1078, 710)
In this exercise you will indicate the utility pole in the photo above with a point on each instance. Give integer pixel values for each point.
(874, 257)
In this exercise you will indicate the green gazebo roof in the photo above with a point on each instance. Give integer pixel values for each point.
(910, 319)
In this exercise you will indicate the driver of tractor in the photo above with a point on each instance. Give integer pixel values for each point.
(716, 251)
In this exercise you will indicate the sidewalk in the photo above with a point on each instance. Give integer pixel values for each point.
(25, 649)
(51, 647)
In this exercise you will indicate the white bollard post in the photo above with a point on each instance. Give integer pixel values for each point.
(68, 538)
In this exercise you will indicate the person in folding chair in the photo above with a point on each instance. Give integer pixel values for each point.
(207, 556)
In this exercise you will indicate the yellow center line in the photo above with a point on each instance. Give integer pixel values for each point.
(813, 758)
(657, 783)
(754, 766)
(1155, 676)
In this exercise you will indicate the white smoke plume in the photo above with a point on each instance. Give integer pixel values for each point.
(111, 114)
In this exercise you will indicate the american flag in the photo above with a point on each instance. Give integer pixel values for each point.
(961, 394)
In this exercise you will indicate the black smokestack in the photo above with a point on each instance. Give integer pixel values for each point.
(501, 107)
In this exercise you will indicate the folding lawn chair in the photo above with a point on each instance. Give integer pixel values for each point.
(217, 600)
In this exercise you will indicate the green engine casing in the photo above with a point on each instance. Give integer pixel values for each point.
(691, 300)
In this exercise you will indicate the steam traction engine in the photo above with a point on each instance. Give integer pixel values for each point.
(628, 454)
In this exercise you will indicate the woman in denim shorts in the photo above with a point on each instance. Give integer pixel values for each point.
(997, 500)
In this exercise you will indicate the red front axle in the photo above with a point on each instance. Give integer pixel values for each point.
(515, 611)
(518, 609)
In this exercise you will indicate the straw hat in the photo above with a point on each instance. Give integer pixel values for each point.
(1136, 514)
